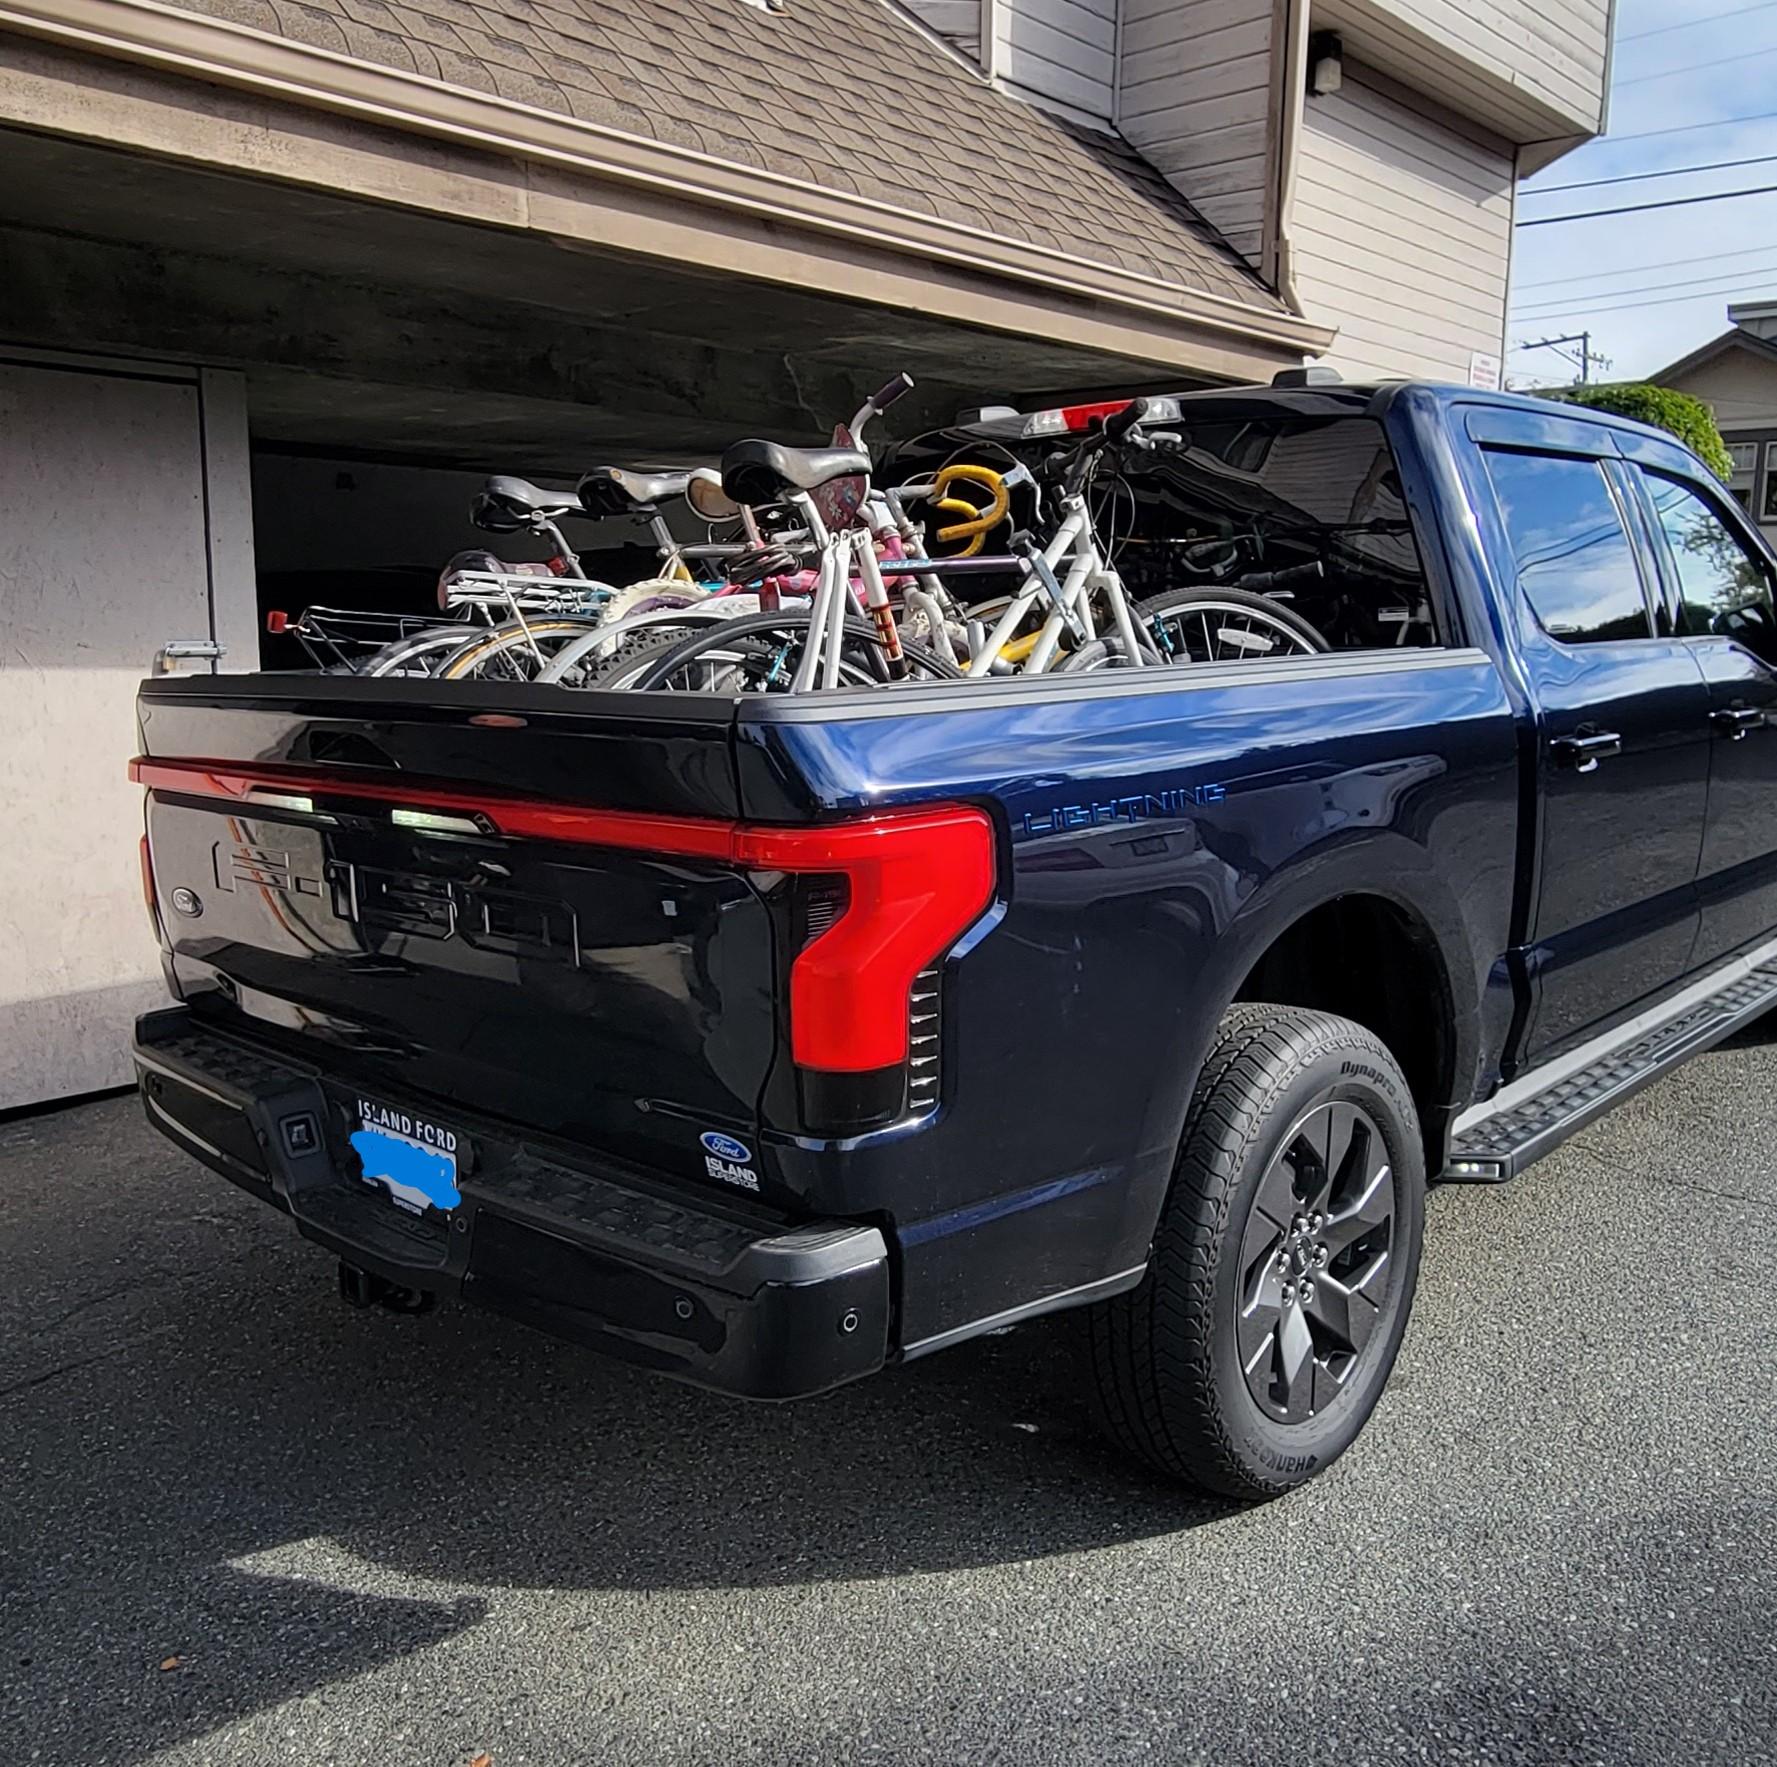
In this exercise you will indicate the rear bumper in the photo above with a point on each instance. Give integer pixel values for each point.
(706, 1294)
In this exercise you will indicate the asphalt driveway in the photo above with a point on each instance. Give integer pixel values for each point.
(241, 1523)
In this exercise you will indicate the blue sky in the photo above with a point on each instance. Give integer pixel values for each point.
(1653, 286)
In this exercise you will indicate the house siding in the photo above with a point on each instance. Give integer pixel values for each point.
(1194, 97)
(958, 22)
(1061, 51)
(1529, 68)
(1401, 232)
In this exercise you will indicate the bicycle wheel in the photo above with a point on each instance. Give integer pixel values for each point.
(1225, 626)
(590, 658)
(518, 650)
(421, 654)
(759, 653)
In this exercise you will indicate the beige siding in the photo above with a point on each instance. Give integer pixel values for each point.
(1739, 386)
(957, 21)
(1064, 51)
(1194, 93)
(1530, 69)
(1401, 229)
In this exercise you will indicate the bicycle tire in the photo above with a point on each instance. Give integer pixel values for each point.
(516, 643)
(1279, 630)
(751, 638)
(437, 643)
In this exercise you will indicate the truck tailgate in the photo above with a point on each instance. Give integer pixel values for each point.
(353, 864)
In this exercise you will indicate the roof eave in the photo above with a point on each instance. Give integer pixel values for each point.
(1732, 339)
(1236, 337)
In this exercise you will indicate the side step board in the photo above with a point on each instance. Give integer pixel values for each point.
(1523, 1121)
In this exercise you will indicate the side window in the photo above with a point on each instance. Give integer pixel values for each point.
(1575, 563)
(1722, 586)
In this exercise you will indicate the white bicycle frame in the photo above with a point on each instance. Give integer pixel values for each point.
(1088, 574)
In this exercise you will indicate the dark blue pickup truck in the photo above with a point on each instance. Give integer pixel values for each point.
(762, 1041)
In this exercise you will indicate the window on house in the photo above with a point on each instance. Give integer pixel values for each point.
(1745, 458)
(1768, 510)
(1576, 566)
(1723, 586)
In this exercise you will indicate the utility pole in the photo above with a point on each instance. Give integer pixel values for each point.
(1585, 360)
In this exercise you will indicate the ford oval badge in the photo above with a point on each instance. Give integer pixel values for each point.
(725, 1147)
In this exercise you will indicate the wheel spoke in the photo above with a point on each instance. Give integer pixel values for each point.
(1293, 1390)
(1257, 1325)
(1371, 1208)
(1341, 1130)
(1346, 1315)
(1276, 1200)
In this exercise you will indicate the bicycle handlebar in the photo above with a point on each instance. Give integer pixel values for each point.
(878, 402)
(885, 396)
(1120, 423)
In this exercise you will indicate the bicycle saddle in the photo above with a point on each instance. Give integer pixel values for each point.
(756, 471)
(616, 490)
(504, 505)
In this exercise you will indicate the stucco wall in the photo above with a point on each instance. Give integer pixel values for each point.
(123, 523)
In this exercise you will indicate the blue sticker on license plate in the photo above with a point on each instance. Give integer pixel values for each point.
(414, 1161)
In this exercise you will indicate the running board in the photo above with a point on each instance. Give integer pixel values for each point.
(1495, 1141)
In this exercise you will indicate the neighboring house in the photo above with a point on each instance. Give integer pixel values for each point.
(276, 274)
(1735, 375)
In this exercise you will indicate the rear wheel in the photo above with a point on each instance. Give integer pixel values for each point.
(518, 650)
(1225, 626)
(424, 653)
(760, 653)
(1283, 1266)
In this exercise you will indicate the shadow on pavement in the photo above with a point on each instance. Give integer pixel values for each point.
(196, 1397)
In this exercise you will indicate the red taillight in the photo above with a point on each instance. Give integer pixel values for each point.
(916, 881)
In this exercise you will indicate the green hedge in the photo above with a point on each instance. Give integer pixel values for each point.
(1679, 414)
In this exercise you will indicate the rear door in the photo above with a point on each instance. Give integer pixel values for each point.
(1719, 582)
(1622, 730)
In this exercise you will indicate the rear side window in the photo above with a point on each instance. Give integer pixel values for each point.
(1723, 587)
(1575, 563)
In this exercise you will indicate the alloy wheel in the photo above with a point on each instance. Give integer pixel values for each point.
(1314, 1262)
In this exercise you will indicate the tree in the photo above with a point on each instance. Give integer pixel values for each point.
(1679, 414)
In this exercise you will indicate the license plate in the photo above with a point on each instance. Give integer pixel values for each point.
(412, 1161)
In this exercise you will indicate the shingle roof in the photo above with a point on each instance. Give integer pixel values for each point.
(848, 95)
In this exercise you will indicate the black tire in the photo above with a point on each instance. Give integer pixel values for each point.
(1167, 1357)
(767, 637)
(1291, 634)
(1108, 652)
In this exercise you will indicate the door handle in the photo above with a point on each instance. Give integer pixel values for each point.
(1583, 752)
(1737, 720)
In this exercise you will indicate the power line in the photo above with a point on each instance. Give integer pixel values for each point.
(1692, 23)
(1642, 208)
(1587, 309)
(1698, 67)
(1638, 269)
(1564, 303)
(1756, 116)
(1758, 159)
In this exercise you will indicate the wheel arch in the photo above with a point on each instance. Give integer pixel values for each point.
(1372, 934)
(1374, 959)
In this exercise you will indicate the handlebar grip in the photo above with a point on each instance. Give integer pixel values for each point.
(1120, 423)
(902, 383)
(1264, 582)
